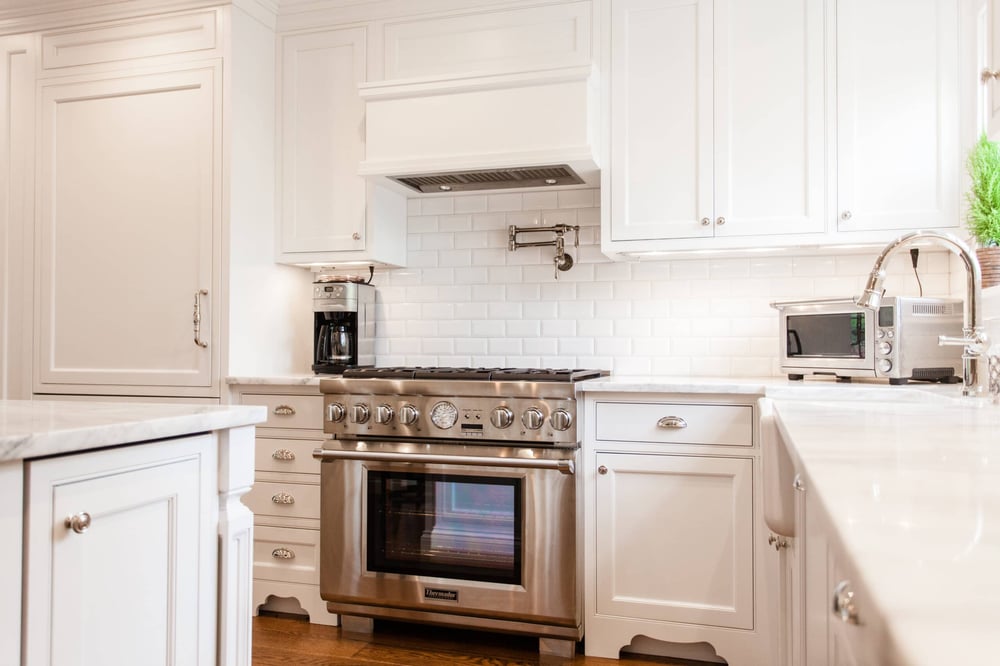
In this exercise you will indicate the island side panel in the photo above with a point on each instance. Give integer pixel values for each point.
(11, 526)
(236, 452)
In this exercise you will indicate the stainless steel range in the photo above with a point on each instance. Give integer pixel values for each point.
(450, 496)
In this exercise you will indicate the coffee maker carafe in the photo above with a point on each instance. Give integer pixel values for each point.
(343, 325)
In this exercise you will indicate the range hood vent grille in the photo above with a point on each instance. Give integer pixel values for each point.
(492, 179)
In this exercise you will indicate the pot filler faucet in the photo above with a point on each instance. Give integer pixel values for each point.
(973, 335)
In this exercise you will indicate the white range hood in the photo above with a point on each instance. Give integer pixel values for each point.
(484, 133)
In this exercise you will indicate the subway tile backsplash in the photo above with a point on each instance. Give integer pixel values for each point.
(464, 299)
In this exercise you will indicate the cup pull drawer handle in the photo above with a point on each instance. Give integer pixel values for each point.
(284, 410)
(282, 554)
(672, 422)
(283, 454)
(282, 498)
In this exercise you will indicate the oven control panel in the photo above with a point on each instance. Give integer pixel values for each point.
(524, 420)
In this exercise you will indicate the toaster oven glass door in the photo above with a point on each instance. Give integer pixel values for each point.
(827, 335)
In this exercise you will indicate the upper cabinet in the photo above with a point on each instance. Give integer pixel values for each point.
(736, 125)
(898, 139)
(716, 122)
(328, 213)
(988, 26)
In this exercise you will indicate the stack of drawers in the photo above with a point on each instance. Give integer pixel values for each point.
(285, 499)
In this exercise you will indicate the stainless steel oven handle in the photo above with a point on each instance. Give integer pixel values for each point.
(563, 466)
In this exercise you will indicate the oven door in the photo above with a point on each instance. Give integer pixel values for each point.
(478, 531)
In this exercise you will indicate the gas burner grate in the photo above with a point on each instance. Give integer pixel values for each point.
(480, 374)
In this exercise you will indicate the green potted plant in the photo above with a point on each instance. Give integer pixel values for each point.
(983, 197)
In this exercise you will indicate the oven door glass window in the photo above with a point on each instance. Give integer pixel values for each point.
(839, 335)
(450, 526)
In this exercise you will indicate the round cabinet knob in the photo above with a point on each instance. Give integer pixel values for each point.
(502, 417)
(602, 470)
(561, 419)
(720, 221)
(79, 522)
(884, 365)
(356, 236)
(797, 483)
(846, 215)
(359, 413)
(705, 221)
(884, 348)
(384, 414)
(843, 603)
(335, 412)
(408, 414)
(532, 418)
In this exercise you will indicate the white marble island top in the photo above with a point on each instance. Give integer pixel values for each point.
(33, 428)
(913, 491)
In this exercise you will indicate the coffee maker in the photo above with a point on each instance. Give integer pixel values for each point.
(343, 325)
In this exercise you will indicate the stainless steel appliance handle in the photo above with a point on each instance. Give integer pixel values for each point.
(563, 466)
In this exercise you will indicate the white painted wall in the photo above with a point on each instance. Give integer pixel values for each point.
(465, 300)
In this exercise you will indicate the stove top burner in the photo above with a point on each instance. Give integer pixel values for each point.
(481, 374)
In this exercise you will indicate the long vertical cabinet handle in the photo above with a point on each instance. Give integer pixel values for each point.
(197, 317)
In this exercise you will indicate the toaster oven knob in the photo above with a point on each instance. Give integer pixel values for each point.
(532, 418)
(335, 412)
(884, 365)
(359, 413)
(383, 414)
(561, 419)
(884, 348)
(502, 417)
(408, 414)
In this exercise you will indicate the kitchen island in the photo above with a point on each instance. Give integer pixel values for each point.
(125, 532)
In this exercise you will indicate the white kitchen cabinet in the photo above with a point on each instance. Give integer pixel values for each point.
(128, 223)
(716, 122)
(899, 154)
(328, 213)
(674, 542)
(988, 66)
(122, 555)
(285, 500)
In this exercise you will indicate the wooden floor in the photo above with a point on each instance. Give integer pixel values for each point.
(279, 641)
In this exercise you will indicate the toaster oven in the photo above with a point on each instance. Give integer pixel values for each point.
(898, 341)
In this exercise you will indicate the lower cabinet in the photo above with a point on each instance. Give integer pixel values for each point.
(122, 563)
(285, 500)
(675, 547)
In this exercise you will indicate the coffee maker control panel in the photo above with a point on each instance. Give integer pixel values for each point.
(329, 291)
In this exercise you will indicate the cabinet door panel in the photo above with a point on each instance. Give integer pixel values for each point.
(656, 558)
(661, 124)
(897, 108)
(137, 587)
(128, 203)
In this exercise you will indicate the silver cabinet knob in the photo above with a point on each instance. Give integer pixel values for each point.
(408, 414)
(705, 221)
(356, 236)
(359, 413)
(561, 419)
(532, 418)
(283, 454)
(843, 603)
(335, 412)
(602, 470)
(79, 522)
(384, 414)
(797, 483)
(846, 215)
(283, 554)
(672, 423)
(282, 498)
(720, 221)
(501, 417)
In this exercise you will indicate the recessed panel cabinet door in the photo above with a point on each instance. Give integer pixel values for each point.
(128, 212)
(121, 546)
(674, 538)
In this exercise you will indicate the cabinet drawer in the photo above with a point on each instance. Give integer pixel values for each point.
(294, 500)
(284, 554)
(675, 423)
(289, 411)
(286, 455)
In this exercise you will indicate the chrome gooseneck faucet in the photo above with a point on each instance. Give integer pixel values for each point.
(973, 336)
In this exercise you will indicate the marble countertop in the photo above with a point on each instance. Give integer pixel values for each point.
(29, 429)
(913, 493)
(277, 380)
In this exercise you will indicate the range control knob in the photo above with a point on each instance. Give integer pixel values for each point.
(335, 412)
(532, 418)
(359, 413)
(561, 419)
(502, 417)
(383, 414)
(408, 414)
